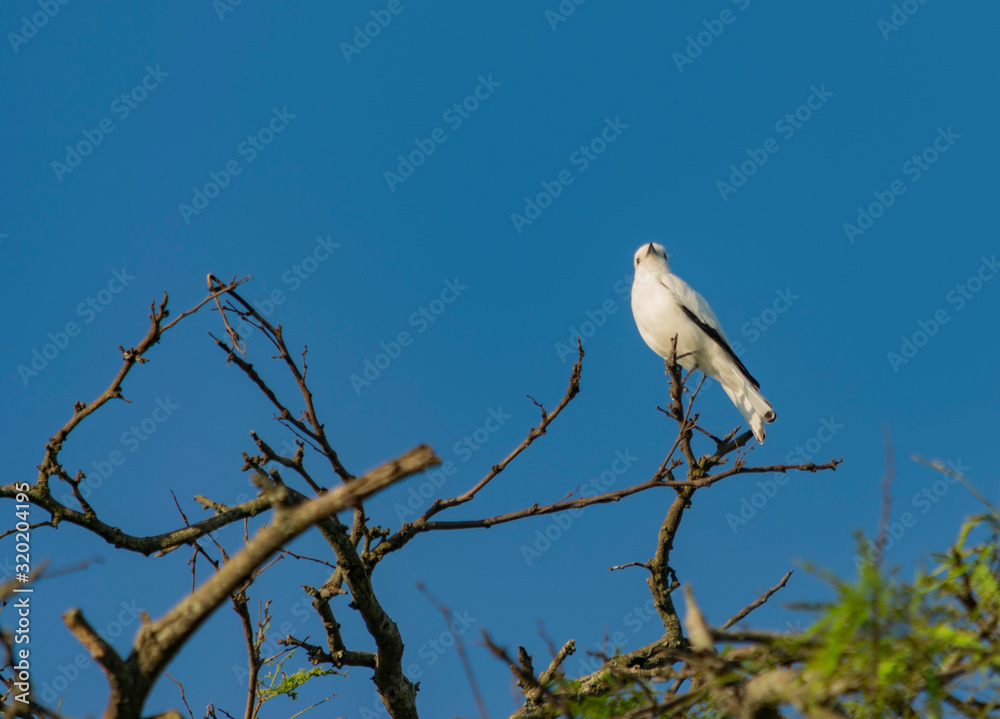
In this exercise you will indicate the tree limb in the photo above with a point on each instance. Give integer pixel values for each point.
(159, 641)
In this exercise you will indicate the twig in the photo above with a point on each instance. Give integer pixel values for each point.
(936, 464)
(535, 432)
(644, 565)
(311, 559)
(159, 641)
(275, 336)
(883, 537)
(130, 357)
(750, 607)
(538, 510)
(183, 698)
(411, 529)
(460, 647)
(890, 471)
(339, 654)
(531, 687)
(568, 649)
(240, 602)
(295, 462)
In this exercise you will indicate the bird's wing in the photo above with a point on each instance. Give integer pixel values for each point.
(697, 310)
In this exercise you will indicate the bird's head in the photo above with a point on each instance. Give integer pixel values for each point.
(651, 257)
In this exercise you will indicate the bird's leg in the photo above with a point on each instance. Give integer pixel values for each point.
(677, 360)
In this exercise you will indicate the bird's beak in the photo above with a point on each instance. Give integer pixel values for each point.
(650, 250)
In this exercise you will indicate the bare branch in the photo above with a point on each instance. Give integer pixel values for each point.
(159, 641)
(536, 693)
(759, 602)
(460, 646)
(183, 697)
(617, 567)
(567, 650)
(315, 430)
(144, 545)
(130, 357)
(547, 418)
(421, 524)
(254, 663)
(338, 655)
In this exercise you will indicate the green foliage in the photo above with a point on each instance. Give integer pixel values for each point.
(289, 682)
(883, 647)
(631, 695)
(885, 644)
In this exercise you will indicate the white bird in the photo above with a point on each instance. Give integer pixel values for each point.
(664, 305)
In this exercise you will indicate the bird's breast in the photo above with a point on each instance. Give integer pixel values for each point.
(659, 317)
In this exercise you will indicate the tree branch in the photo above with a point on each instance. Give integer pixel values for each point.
(130, 357)
(315, 431)
(411, 529)
(740, 615)
(159, 641)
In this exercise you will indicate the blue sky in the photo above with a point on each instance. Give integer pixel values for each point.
(479, 178)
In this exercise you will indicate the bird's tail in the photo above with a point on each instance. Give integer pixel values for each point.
(750, 402)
